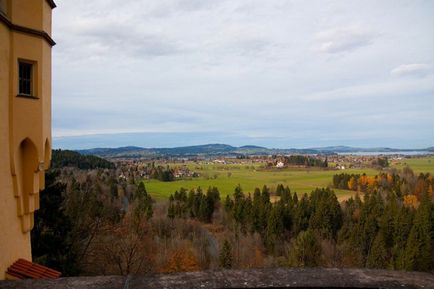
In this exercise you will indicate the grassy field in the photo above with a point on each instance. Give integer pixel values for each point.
(299, 180)
(227, 177)
(419, 165)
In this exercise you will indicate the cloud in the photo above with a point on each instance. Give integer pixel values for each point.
(340, 40)
(248, 67)
(374, 90)
(415, 69)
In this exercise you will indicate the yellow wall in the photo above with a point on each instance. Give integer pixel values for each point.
(25, 126)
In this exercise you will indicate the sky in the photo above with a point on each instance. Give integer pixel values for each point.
(282, 74)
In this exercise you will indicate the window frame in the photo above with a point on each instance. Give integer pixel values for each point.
(31, 79)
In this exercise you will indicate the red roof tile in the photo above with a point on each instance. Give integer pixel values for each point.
(23, 269)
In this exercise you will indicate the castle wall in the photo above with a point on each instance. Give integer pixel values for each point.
(25, 123)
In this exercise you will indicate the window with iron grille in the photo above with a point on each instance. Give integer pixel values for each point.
(25, 78)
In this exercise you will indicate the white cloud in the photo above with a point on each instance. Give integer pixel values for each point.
(345, 39)
(374, 90)
(415, 69)
(258, 67)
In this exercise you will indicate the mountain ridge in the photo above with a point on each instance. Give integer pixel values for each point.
(217, 149)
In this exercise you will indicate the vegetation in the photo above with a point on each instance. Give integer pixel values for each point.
(196, 205)
(227, 177)
(94, 222)
(65, 158)
(225, 257)
(300, 160)
(403, 184)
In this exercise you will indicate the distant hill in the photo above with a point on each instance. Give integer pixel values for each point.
(188, 151)
(213, 150)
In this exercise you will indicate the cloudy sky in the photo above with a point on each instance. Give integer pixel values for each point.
(275, 73)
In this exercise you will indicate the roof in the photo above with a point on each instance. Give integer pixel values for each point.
(23, 269)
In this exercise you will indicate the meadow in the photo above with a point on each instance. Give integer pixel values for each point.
(251, 175)
(227, 177)
(418, 165)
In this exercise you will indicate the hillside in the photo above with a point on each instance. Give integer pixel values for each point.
(65, 158)
(213, 150)
(199, 150)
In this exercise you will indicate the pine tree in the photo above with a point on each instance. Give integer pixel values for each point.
(255, 213)
(305, 250)
(378, 257)
(301, 215)
(226, 257)
(402, 227)
(229, 204)
(52, 236)
(171, 211)
(419, 251)
(203, 211)
(275, 227)
(143, 205)
(326, 215)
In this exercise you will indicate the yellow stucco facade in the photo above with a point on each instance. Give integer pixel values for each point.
(25, 120)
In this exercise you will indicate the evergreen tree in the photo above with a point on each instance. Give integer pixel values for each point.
(419, 250)
(229, 204)
(171, 211)
(143, 205)
(265, 195)
(275, 227)
(226, 257)
(301, 215)
(326, 213)
(369, 221)
(52, 242)
(305, 250)
(402, 227)
(255, 213)
(378, 257)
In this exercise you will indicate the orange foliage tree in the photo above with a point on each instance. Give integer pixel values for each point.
(181, 260)
(411, 201)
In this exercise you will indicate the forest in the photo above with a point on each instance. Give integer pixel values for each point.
(300, 160)
(92, 222)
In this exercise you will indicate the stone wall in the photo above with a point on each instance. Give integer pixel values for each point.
(257, 278)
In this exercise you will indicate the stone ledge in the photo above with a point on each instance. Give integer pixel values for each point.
(256, 278)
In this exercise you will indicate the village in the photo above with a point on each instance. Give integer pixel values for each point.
(186, 168)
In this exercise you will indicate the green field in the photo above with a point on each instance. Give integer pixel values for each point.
(298, 180)
(251, 176)
(419, 165)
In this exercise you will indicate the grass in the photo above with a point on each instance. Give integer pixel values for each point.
(419, 165)
(251, 176)
(298, 180)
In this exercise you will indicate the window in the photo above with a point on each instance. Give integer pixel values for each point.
(25, 78)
